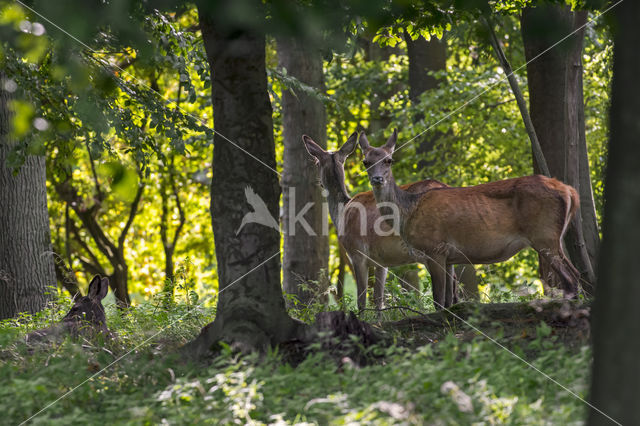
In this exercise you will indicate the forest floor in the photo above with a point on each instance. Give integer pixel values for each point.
(517, 363)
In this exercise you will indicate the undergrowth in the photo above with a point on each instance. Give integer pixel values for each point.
(451, 382)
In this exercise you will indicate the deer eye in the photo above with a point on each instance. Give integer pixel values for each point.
(366, 163)
(388, 161)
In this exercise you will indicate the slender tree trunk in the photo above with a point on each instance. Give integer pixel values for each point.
(538, 155)
(615, 383)
(379, 118)
(557, 112)
(26, 259)
(425, 56)
(251, 311)
(306, 254)
(113, 251)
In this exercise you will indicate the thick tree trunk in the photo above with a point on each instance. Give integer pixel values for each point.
(306, 246)
(615, 383)
(557, 112)
(251, 311)
(26, 259)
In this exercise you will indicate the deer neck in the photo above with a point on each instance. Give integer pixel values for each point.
(337, 196)
(391, 193)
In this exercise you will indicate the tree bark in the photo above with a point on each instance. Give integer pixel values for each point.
(26, 257)
(424, 56)
(251, 311)
(306, 254)
(538, 155)
(615, 383)
(557, 112)
(379, 118)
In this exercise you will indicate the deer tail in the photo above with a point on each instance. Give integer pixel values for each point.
(572, 202)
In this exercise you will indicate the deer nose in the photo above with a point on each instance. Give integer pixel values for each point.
(377, 180)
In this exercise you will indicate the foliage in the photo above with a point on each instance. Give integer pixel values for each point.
(454, 381)
(139, 114)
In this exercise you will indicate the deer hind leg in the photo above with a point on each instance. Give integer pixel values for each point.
(438, 271)
(361, 272)
(569, 275)
(451, 296)
(378, 289)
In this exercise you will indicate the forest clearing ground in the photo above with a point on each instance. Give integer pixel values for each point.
(419, 369)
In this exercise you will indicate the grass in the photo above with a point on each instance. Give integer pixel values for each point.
(455, 381)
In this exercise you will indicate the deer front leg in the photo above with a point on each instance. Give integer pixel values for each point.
(451, 296)
(438, 270)
(378, 289)
(361, 272)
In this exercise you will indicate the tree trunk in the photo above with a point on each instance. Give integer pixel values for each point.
(615, 383)
(113, 251)
(424, 56)
(26, 259)
(538, 155)
(251, 311)
(557, 112)
(379, 118)
(306, 254)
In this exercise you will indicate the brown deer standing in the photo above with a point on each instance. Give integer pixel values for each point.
(478, 224)
(86, 316)
(368, 240)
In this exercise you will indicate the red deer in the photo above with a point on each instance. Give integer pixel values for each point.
(86, 316)
(357, 218)
(480, 224)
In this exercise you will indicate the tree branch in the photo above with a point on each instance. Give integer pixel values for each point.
(100, 195)
(69, 194)
(85, 247)
(132, 213)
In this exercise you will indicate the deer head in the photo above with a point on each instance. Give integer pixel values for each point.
(331, 164)
(88, 311)
(86, 316)
(378, 161)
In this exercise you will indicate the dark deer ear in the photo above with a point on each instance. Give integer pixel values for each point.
(98, 288)
(94, 286)
(391, 142)
(104, 288)
(348, 147)
(364, 142)
(313, 148)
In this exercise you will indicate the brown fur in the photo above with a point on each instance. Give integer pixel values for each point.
(86, 317)
(479, 224)
(368, 248)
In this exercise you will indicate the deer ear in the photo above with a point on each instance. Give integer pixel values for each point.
(104, 288)
(313, 148)
(98, 288)
(391, 142)
(94, 287)
(348, 147)
(364, 142)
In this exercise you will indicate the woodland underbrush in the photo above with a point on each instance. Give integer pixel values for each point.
(521, 362)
